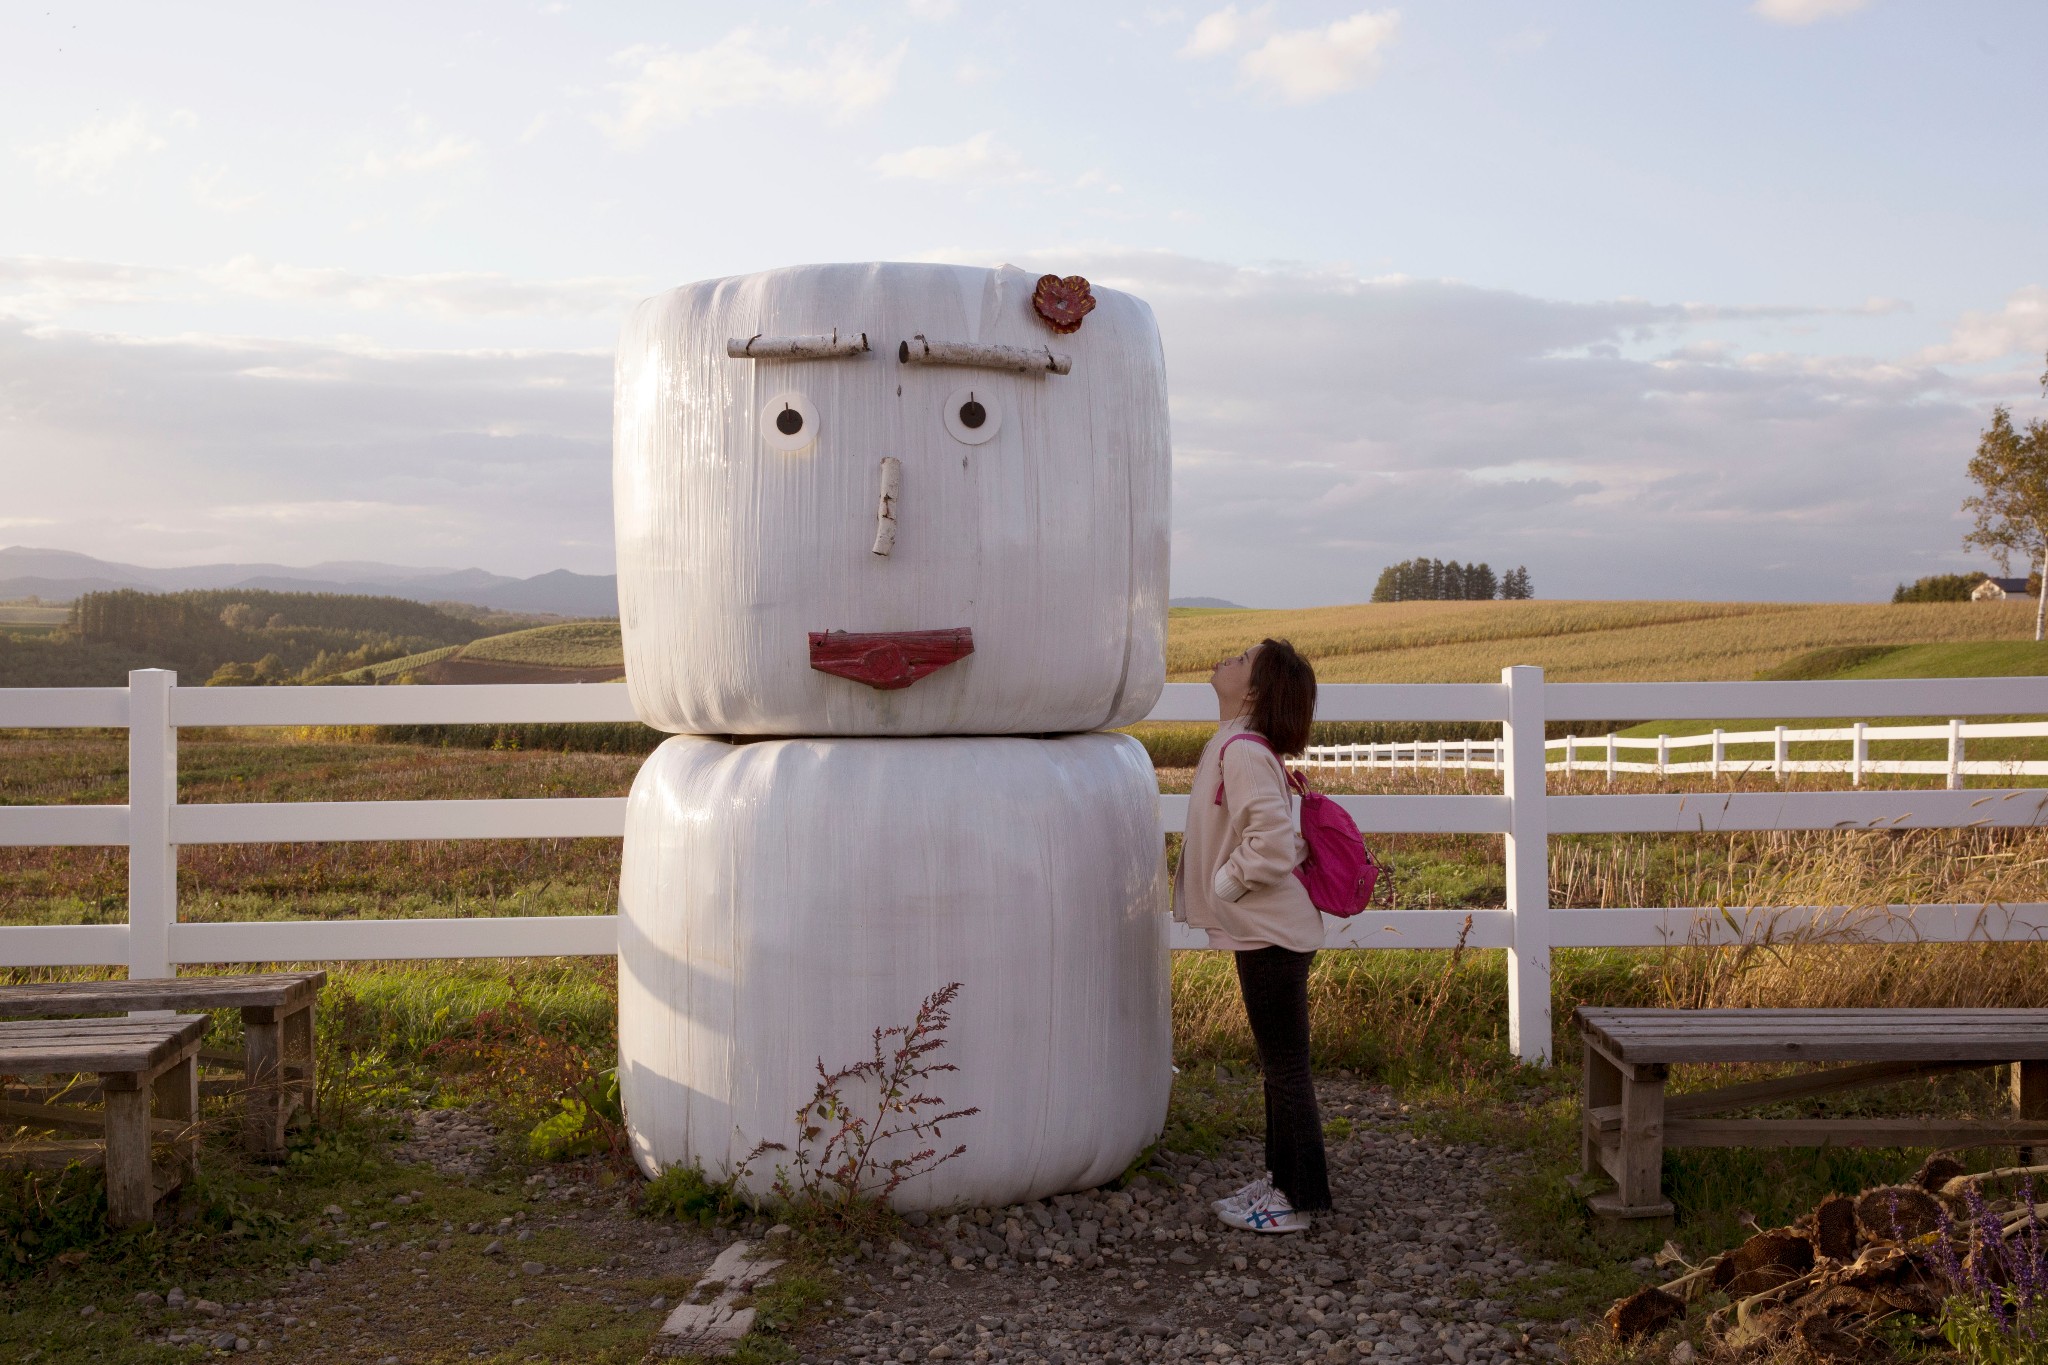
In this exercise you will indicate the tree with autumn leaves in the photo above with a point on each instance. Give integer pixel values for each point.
(2010, 470)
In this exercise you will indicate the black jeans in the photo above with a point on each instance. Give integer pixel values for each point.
(1275, 986)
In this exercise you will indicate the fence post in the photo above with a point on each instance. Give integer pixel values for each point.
(1663, 755)
(1955, 755)
(1610, 759)
(1859, 753)
(1468, 758)
(1720, 750)
(1528, 866)
(152, 791)
(1778, 756)
(1571, 753)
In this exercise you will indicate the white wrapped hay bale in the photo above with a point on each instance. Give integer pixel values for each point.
(782, 899)
(880, 449)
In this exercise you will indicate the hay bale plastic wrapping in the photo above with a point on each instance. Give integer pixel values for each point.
(1039, 522)
(782, 899)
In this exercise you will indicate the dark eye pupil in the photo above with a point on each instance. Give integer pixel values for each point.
(789, 421)
(972, 414)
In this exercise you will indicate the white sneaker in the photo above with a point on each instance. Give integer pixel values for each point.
(1272, 1213)
(1245, 1195)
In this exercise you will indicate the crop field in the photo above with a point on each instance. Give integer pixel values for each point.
(1579, 641)
(577, 644)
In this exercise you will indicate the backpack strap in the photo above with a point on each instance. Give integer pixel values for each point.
(1258, 738)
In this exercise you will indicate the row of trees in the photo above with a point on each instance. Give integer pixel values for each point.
(249, 636)
(1437, 580)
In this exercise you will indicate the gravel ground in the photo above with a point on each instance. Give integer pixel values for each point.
(1409, 1267)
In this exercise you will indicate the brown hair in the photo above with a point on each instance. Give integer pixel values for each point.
(1283, 687)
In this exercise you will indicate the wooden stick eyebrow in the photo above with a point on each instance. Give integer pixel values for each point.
(920, 351)
(760, 346)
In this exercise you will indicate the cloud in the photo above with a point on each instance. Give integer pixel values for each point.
(45, 289)
(980, 159)
(86, 157)
(1303, 65)
(932, 9)
(1359, 421)
(424, 151)
(1221, 30)
(1298, 66)
(745, 68)
(1804, 11)
(442, 295)
(42, 288)
(2020, 328)
(209, 191)
(234, 448)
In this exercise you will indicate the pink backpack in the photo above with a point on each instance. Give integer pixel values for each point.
(1339, 871)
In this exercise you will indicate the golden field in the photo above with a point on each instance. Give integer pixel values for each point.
(1577, 641)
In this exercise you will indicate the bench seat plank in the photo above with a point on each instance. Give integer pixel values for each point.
(37, 1047)
(1641, 1037)
(57, 999)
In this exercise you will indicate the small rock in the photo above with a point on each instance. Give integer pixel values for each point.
(88, 1311)
(315, 1264)
(176, 1298)
(525, 1235)
(657, 1303)
(209, 1307)
(335, 1211)
(241, 1343)
(149, 1298)
(532, 1268)
(399, 1201)
(380, 1225)
(497, 1245)
(1683, 1354)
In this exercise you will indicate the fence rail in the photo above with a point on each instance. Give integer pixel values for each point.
(153, 824)
(1485, 755)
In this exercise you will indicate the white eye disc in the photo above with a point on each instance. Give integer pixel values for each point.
(789, 422)
(972, 415)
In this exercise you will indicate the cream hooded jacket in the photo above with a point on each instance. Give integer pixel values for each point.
(1237, 858)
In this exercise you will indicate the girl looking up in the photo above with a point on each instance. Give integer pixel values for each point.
(1237, 882)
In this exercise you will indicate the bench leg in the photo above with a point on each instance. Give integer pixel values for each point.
(1641, 1176)
(2029, 1097)
(263, 1107)
(131, 1192)
(177, 1097)
(298, 1048)
(1601, 1088)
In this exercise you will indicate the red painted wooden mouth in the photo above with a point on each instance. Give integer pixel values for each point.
(888, 659)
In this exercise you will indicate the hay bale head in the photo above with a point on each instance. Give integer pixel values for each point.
(1643, 1313)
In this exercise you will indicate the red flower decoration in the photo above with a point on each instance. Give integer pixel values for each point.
(1062, 302)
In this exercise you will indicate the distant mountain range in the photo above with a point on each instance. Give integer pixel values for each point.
(60, 575)
(1210, 602)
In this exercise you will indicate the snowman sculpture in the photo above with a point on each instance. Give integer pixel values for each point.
(892, 546)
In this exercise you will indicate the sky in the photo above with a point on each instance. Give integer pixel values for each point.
(1702, 300)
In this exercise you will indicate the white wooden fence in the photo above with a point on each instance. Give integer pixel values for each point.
(153, 824)
(1576, 753)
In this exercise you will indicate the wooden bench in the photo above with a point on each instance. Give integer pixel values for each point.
(1626, 1121)
(136, 1060)
(277, 1061)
